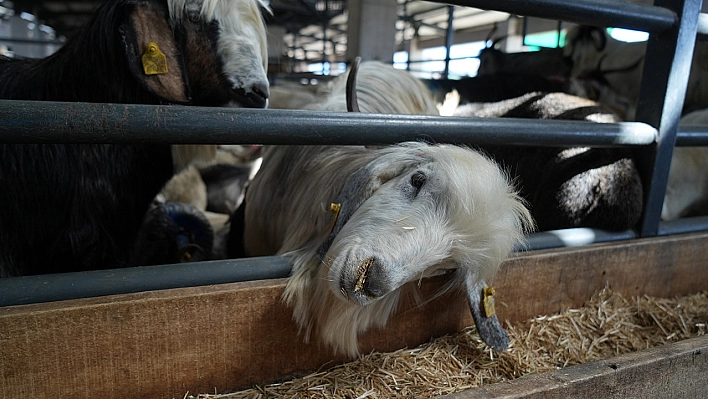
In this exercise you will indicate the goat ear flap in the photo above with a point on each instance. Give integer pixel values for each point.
(488, 326)
(359, 187)
(147, 31)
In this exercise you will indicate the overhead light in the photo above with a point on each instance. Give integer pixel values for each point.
(46, 29)
(6, 12)
(27, 16)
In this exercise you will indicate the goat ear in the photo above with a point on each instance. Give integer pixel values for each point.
(599, 39)
(489, 327)
(148, 25)
(359, 187)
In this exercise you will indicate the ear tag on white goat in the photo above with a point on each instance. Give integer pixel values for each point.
(334, 208)
(154, 61)
(489, 301)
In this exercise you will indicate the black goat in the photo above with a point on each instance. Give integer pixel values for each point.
(79, 207)
(568, 187)
(494, 87)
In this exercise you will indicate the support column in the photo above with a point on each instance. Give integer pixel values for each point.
(371, 30)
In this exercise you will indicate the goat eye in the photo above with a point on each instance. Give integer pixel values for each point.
(417, 180)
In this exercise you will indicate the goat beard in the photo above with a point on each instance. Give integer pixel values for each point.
(336, 322)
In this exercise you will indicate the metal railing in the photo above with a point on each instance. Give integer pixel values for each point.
(673, 26)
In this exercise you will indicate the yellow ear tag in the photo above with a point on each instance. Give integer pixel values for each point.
(154, 61)
(489, 310)
(334, 208)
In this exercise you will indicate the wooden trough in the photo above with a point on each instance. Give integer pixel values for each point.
(162, 344)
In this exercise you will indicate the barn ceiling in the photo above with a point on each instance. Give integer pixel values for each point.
(67, 16)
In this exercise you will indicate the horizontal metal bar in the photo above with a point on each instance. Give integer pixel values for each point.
(702, 28)
(620, 14)
(52, 122)
(574, 238)
(89, 284)
(692, 136)
(30, 41)
(65, 286)
(585, 236)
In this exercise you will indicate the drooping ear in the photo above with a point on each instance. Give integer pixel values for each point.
(488, 326)
(154, 58)
(359, 187)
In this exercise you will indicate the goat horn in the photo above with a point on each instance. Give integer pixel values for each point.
(352, 102)
(498, 40)
(491, 34)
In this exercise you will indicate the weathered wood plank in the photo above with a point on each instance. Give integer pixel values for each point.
(675, 371)
(161, 344)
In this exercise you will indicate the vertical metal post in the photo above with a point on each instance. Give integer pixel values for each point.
(407, 48)
(449, 36)
(324, 45)
(667, 64)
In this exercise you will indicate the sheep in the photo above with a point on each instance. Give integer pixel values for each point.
(687, 185)
(406, 212)
(567, 187)
(202, 52)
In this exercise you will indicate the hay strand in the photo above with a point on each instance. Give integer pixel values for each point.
(608, 325)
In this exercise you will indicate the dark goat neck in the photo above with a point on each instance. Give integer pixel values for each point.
(90, 67)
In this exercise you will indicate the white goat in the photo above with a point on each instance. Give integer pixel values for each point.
(381, 89)
(407, 211)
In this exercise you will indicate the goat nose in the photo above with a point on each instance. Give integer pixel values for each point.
(372, 280)
(261, 89)
(256, 96)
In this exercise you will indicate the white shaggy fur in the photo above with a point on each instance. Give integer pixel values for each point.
(241, 45)
(466, 217)
(382, 89)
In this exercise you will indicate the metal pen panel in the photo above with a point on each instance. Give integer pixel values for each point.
(60, 287)
(89, 284)
(51, 122)
(667, 65)
(621, 14)
(692, 136)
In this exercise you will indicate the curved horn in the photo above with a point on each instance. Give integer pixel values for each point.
(352, 102)
(497, 40)
(491, 33)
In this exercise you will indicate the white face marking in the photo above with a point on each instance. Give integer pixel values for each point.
(241, 44)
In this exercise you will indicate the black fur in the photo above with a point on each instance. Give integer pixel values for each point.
(79, 207)
(574, 187)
